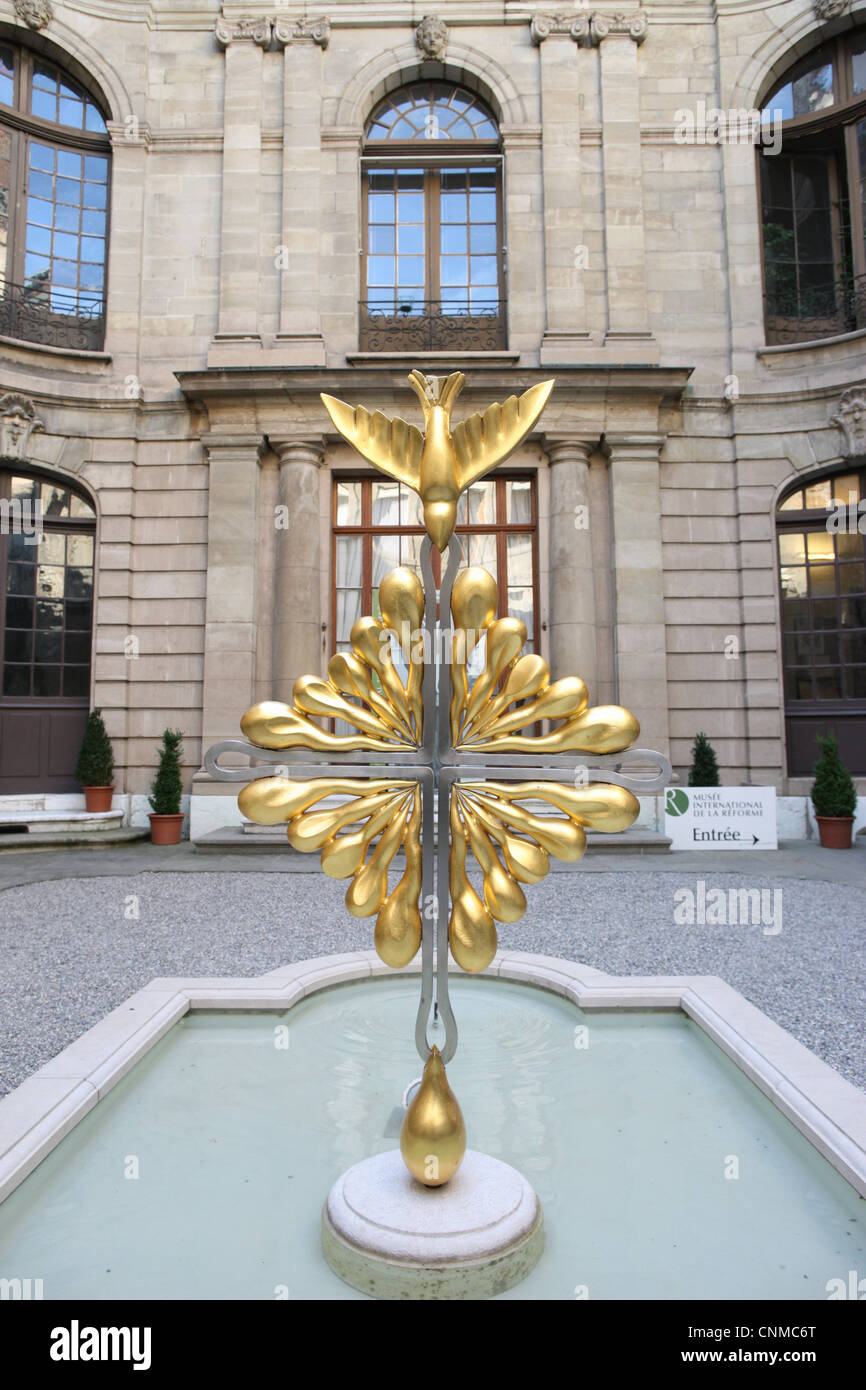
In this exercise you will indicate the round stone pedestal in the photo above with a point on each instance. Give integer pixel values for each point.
(389, 1236)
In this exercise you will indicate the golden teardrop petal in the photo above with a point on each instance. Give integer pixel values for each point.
(433, 1136)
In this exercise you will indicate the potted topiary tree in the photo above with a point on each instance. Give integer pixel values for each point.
(834, 797)
(704, 771)
(95, 766)
(165, 793)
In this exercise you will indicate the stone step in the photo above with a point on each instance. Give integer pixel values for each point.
(58, 822)
(70, 839)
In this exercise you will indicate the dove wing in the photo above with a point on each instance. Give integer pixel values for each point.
(391, 445)
(482, 441)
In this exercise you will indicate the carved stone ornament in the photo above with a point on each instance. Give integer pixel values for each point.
(255, 30)
(850, 417)
(288, 31)
(831, 9)
(431, 37)
(18, 420)
(576, 27)
(635, 25)
(35, 13)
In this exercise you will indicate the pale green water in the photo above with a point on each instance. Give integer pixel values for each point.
(237, 1142)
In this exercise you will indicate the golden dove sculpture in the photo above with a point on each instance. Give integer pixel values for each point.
(441, 463)
(510, 826)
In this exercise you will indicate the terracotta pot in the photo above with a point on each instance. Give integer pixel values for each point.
(165, 830)
(835, 831)
(98, 798)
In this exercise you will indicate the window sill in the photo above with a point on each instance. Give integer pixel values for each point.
(810, 344)
(497, 357)
(79, 354)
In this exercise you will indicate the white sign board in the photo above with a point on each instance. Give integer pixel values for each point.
(721, 817)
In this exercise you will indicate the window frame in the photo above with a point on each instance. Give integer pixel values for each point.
(844, 175)
(76, 526)
(434, 157)
(501, 529)
(24, 128)
(816, 712)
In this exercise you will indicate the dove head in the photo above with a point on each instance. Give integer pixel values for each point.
(433, 391)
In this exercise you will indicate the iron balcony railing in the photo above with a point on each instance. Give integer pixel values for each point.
(41, 313)
(431, 324)
(819, 311)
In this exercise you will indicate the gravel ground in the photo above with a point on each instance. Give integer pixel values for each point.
(72, 949)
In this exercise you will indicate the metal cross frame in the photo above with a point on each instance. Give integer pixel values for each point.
(436, 765)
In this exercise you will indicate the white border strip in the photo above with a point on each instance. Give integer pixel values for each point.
(826, 1109)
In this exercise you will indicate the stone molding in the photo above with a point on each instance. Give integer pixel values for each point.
(287, 31)
(18, 420)
(850, 417)
(594, 28)
(299, 449)
(568, 449)
(35, 13)
(431, 36)
(634, 26)
(831, 9)
(566, 26)
(228, 31)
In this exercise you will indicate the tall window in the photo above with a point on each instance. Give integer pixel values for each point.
(432, 236)
(54, 174)
(378, 525)
(46, 619)
(814, 196)
(822, 559)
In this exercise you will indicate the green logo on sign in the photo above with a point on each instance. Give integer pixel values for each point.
(677, 801)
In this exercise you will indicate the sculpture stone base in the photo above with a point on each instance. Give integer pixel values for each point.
(387, 1235)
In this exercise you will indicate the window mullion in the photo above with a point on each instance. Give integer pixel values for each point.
(856, 177)
(433, 198)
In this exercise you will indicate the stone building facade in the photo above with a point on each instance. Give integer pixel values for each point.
(284, 217)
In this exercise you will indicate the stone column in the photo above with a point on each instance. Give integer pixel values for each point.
(300, 332)
(639, 635)
(230, 604)
(298, 648)
(572, 646)
(565, 253)
(618, 38)
(244, 44)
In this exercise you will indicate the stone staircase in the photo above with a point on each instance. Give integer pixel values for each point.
(26, 823)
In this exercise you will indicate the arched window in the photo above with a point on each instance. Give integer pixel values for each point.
(54, 175)
(822, 568)
(813, 196)
(46, 571)
(433, 272)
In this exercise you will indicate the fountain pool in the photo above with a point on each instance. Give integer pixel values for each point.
(663, 1170)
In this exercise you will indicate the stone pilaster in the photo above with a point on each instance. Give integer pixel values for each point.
(298, 627)
(231, 597)
(639, 635)
(244, 45)
(618, 39)
(566, 255)
(300, 331)
(572, 644)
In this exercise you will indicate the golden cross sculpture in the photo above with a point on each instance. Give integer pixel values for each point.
(424, 749)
